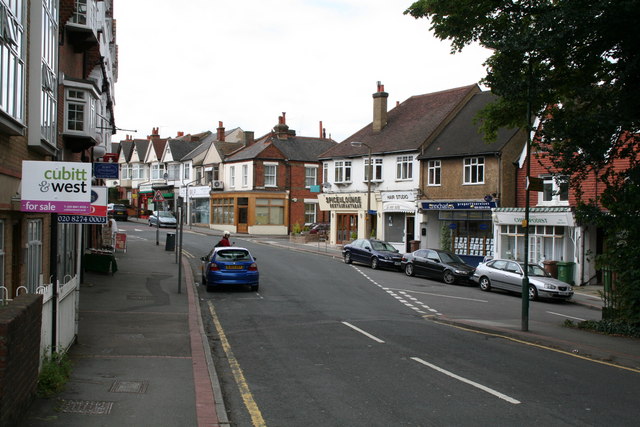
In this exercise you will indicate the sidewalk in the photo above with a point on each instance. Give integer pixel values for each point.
(142, 357)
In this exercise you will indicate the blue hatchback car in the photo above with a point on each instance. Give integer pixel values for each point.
(232, 266)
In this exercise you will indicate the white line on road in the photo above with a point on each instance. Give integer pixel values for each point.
(464, 380)
(439, 295)
(366, 334)
(564, 315)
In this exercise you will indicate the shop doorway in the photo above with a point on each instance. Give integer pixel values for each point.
(410, 226)
(243, 215)
(346, 225)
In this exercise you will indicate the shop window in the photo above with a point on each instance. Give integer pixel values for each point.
(404, 167)
(342, 171)
(433, 171)
(474, 170)
(269, 212)
(470, 232)
(222, 211)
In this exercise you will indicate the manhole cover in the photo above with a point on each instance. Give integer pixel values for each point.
(129, 387)
(140, 297)
(86, 407)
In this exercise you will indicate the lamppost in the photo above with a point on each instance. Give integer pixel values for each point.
(368, 224)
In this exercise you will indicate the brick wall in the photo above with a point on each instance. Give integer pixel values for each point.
(20, 325)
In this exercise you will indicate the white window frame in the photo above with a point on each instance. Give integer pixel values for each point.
(310, 213)
(187, 171)
(377, 169)
(473, 171)
(310, 176)
(13, 56)
(245, 175)
(555, 191)
(138, 171)
(270, 174)
(404, 168)
(173, 171)
(34, 254)
(434, 173)
(342, 169)
(157, 171)
(325, 172)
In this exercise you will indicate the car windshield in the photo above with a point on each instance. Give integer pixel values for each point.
(231, 255)
(382, 246)
(166, 214)
(448, 257)
(536, 270)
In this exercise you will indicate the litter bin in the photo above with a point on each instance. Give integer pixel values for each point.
(414, 245)
(551, 267)
(565, 272)
(170, 244)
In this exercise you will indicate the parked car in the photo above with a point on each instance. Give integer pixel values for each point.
(230, 265)
(507, 275)
(166, 219)
(375, 253)
(437, 264)
(117, 211)
(319, 228)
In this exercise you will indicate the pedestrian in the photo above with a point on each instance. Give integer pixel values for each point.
(225, 240)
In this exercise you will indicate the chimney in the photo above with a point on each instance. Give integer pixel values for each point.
(380, 108)
(321, 130)
(248, 138)
(220, 132)
(281, 129)
(180, 134)
(154, 134)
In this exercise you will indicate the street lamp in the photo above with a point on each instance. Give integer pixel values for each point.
(368, 224)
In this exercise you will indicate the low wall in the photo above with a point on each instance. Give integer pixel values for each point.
(20, 329)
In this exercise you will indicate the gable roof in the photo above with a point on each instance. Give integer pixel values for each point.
(294, 148)
(126, 148)
(462, 137)
(180, 148)
(409, 125)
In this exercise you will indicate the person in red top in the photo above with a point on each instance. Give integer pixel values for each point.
(225, 240)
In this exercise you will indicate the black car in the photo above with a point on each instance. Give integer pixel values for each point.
(437, 264)
(375, 253)
(117, 211)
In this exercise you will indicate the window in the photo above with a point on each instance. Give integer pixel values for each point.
(173, 172)
(49, 51)
(433, 172)
(245, 175)
(187, 171)
(232, 176)
(34, 254)
(270, 175)
(75, 110)
(310, 176)
(309, 213)
(269, 212)
(137, 171)
(377, 169)
(325, 172)
(157, 171)
(342, 171)
(474, 170)
(555, 190)
(125, 171)
(404, 167)
(222, 211)
(12, 59)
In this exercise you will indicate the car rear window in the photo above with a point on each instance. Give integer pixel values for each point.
(232, 255)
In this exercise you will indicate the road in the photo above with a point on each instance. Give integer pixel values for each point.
(329, 344)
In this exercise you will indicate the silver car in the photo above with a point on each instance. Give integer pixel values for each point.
(507, 275)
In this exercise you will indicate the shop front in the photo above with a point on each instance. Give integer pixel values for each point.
(196, 200)
(553, 239)
(144, 199)
(462, 227)
(348, 215)
(263, 213)
(399, 213)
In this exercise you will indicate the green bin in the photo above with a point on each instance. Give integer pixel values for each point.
(565, 271)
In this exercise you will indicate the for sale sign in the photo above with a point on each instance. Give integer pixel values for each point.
(60, 187)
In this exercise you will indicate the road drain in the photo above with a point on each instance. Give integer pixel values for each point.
(129, 387)
(86, 407)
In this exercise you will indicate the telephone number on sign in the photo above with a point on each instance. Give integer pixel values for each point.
(81, 219)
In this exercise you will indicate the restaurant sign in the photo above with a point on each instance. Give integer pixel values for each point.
(344, 201)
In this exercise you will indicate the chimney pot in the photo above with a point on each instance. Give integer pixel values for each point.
(379, 108)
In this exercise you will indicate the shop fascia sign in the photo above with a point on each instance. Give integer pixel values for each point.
(56, 187)
(398, 196)
(341, 201)
(201, 191)
(449, 206)
(547, 218)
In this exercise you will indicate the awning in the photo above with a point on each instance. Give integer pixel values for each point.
(399, 206)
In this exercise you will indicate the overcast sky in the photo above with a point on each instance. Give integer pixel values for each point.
(185, 65)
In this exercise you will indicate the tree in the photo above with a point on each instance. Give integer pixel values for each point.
(576, 64)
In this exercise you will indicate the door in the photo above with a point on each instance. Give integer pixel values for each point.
(409, 232)
(243, 215)
(432, 265)
(347, 224)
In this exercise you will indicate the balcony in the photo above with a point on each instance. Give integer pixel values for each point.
(84, 24)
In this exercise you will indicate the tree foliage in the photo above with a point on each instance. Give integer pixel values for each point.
(576, 64)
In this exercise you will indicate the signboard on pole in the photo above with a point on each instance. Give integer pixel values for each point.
(98, 213)
(56, 187)
(158, 197)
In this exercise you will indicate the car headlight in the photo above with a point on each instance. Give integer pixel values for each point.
(459, 271)
(550, 286)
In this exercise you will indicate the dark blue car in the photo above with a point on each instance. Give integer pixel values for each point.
(375, 253)
(232, 266)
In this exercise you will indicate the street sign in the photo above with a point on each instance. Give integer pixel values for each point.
(158, 197)
(106, 170)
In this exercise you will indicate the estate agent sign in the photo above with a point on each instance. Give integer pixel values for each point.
(56, 187)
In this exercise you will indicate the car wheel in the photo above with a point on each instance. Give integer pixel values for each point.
(533, 293)
(448, 277)
(347, 258)
(374, 263)
(485, 284)
(408, 270)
